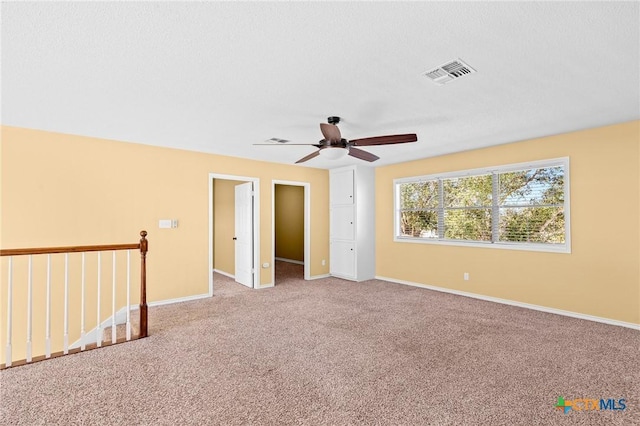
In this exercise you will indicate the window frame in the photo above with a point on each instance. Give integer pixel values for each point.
(554, 248)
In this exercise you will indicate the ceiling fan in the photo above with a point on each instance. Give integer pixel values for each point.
(333, 146)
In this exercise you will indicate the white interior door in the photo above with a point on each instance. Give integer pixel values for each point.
(244, 233)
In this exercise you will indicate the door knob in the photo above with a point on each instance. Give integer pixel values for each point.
(234, 238)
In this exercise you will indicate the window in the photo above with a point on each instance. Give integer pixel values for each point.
(520, 206)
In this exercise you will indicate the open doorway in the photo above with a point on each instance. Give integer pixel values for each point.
(290, 231)
(233, 233)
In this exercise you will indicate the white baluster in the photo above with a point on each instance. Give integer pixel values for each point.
(29, 310)
(128, 295)
(99, 325)
(66, 304)
(7, 361)
(82, 332)
(47, 350)
(113, 298)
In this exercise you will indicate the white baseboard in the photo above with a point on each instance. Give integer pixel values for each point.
(226, 274)
(179, 300)
(297, 262)
(266, 286)
(518, 304)
(318, 277)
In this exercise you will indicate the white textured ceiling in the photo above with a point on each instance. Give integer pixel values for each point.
(219, 76)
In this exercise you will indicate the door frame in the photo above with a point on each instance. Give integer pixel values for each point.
(256, 225)
(307, 226)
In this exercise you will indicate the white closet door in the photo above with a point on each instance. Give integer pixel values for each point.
(342, 223)
(343, 259)
(341, 187)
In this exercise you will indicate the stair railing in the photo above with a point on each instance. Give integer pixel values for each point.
(142, 246)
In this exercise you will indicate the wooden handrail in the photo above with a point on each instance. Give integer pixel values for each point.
(70, 249)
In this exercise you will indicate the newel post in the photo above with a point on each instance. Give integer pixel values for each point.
(144, 247)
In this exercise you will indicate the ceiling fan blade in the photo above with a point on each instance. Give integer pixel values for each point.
(308, 157)
(362, 155)
(288, 144)
(385, 140)
(330, 132)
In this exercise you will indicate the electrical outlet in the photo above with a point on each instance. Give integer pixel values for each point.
(324, 262)
(466, 276)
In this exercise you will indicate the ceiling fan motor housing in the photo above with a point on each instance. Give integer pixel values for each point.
(333, 120)
(342, 143)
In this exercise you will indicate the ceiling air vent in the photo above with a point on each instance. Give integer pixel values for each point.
(449, 72)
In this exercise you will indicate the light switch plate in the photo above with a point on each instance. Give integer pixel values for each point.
(164, 223)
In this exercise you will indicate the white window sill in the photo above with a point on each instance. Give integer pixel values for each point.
(551, 248)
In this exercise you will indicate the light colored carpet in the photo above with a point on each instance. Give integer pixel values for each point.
(334, 352)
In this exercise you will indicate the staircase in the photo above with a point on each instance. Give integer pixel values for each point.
(121, 331)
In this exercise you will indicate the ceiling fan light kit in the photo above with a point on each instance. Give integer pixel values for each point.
(334, 153)
(334, 146)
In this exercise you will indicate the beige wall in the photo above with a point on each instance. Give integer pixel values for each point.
(600, 277)
(59, 189)
(224, 255)
(289, 222)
